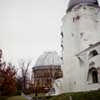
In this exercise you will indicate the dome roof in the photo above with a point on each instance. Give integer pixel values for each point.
(48, 58)
(73, 3)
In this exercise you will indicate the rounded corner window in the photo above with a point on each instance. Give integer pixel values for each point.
(93, 53)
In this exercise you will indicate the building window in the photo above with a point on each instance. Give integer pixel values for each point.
(76, 18)
(62, 35)
(92, 64)
(93, 75)
(93, 53)
(96, 3)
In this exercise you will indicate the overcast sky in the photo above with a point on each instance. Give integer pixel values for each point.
(30, 27)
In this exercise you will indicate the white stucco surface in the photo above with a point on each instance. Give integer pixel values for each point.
(81, 28)
(48, 58)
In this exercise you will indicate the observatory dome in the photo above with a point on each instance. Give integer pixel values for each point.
(73, 3)
(48, 58)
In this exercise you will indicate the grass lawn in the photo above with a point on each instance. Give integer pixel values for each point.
(17, 98)
(92, 95)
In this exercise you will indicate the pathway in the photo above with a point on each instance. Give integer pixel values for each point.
(27, 96)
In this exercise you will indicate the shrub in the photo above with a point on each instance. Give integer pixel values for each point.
(18, 92)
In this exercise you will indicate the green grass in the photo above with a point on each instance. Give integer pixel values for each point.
(39, 95)
(16, 98)
(3, 97)
(93, 95)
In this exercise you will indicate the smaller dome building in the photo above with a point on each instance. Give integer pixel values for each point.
(46, 70)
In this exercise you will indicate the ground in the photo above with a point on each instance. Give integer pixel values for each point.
(17, 98)
(92, 95)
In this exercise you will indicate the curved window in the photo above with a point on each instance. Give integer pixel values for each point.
(93, 53)
(91, 64)
(62, 35)
(96, 2)
(93, 75)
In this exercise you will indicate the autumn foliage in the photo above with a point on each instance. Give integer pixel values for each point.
(7, 79)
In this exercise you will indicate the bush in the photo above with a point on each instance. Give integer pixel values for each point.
(28, 91)
(8, 80)
(18, 92)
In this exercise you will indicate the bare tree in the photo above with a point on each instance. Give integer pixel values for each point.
(24, 72)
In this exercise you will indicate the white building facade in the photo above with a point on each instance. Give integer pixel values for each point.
(81, 46)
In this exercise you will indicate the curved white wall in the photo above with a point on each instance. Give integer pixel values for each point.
(81, 27)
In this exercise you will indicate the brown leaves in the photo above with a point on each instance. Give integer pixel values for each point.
(7, 80)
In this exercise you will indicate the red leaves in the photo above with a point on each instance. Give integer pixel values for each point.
(7, 80)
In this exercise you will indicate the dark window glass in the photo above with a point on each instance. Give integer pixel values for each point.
(93, 53)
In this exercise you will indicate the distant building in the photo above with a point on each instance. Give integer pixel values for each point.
(46, 71)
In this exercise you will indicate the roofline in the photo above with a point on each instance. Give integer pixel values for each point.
(93, 45)
(81, 4)
(45, 66)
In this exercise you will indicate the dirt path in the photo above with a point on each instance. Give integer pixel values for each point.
(27, 96)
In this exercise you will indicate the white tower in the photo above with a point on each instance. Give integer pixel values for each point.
(81, 33)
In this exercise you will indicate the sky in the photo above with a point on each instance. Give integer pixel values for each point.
(30, 27)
